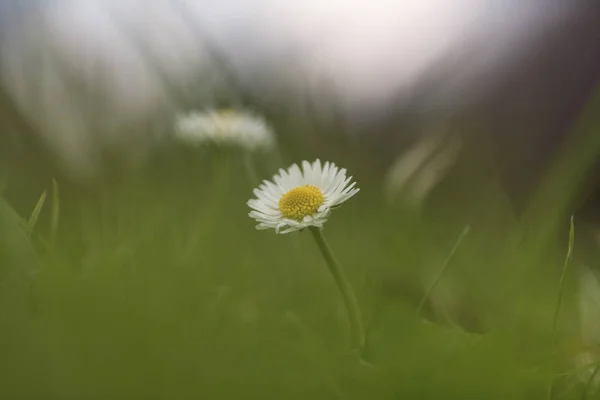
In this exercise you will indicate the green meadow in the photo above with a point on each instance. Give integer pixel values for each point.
(155, 284)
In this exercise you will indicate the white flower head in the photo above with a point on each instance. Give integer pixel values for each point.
(300, 198)
(225, 127)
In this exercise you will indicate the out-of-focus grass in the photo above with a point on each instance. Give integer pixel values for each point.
(160, 287)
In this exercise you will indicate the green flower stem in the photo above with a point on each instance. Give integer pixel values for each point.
(251, 169)
(209, 213)
(221, 169)
(357, 332)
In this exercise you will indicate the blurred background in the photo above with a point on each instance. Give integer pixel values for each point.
(139, 274)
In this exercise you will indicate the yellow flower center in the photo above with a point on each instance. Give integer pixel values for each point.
(222, 118)
(227, 112)
(300, 202)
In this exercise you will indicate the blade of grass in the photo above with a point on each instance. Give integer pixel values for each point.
(561, 287)
(35, 214)
(560, 186)
(443, 269)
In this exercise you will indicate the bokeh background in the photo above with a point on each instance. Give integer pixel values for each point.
(130, 269)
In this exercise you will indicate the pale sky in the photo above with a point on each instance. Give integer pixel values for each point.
(362, 52)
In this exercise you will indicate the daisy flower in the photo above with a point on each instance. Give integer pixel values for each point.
(228, 127)
(300, 198)
(303, 198)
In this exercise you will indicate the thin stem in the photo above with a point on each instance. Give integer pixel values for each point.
(561, 287)
(443, 269)
(357, 332)
(251, 169)
(214, 199)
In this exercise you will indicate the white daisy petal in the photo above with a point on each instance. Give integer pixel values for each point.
(324, 174)
(349, 187)
(289, 230)
(296, 175)
(317, 165)
(340, 187)
(264, 192)
(263, 210)
(268, 198)
(284, 180)
(262, 217)
(262, 227)
(310, 176)
(316, 173)
(273, 189)
(333, 182)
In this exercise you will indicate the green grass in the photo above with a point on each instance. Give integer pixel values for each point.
(158, 286)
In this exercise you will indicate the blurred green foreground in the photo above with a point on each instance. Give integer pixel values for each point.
(157, 285)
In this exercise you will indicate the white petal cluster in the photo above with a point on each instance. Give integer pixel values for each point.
(225, 127)
(331, 181)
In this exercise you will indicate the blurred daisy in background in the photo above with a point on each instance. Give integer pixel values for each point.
(225, 127)
(301, 198)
